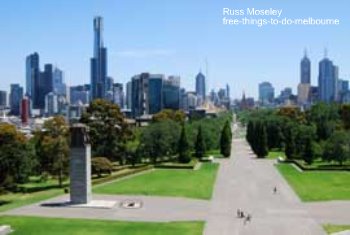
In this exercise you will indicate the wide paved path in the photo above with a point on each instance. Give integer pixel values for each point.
(247, 183)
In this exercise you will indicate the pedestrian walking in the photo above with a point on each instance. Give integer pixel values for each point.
(274, 190)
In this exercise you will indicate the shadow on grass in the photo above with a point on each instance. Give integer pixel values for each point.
(4, 202)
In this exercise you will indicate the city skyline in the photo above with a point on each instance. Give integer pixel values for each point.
(162, 47)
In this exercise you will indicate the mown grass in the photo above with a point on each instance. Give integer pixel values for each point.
(317, 185)
(55, 226)
(164, 182)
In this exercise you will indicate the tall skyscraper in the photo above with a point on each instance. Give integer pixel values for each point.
(327, 81)
(16, 96)
(3, 99)
(32, 74)
(200, 87)
(98, 62)
(305, 81)
(79, 95)
(228, 91)
(266, 93)
(146, 94)
(129, 95)
(59, 87)
(44, 87)
(305, 70)
(118, 94)
(171, 93)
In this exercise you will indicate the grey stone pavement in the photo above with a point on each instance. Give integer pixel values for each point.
(246, 183)
(161, 209)
(243, 182)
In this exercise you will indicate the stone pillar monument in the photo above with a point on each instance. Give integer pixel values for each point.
(80, 165)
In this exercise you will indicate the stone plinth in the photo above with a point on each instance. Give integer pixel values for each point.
(80, 166)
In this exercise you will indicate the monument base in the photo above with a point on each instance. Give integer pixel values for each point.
(98, 204)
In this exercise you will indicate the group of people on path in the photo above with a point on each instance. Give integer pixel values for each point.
(241, 215)
(247, 217)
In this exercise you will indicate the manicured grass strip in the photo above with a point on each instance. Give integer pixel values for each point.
(177, 183)
(276, 154)
(14, 200)
(317, 185)
(331, 228)
(53, 226)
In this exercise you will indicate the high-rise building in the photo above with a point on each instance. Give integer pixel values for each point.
(200, 87)
(190, 101)
(109, 84)
(155, 93)
(44, 87)
(79, 95)
(305, 81)
(3, 99)
(343, 89)
(328, 81)
(118, 94)
(129, 95)
(51, 104)
(59, 87)
(32, 74)
(16, 96)
(171, 93)
(266, 93)
(146, 94)
(305, 70)
(25, 110)
(304, 93)
(228, 95)
(98, 62)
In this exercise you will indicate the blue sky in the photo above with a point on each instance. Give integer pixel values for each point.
(172, 37)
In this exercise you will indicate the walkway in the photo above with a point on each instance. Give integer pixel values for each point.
(247, 183)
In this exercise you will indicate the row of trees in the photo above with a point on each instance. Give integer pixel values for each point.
(112, 139)
(170, 137)
(319, 133)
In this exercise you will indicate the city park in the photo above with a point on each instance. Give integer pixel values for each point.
(288, 170)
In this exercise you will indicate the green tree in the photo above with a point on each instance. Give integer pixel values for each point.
(261, 141)
(101, 165)
(308, 153)
(326, 118)
(275, 136)
(108, 129)
(226, 140)
(345, 116)
(16, 156)
(290, 140)
(200, 144)
(160, 139)
(337, 148)
(169, 114)
(55, 147)
(183, 147)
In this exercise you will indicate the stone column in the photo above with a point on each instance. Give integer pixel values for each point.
(80, 165)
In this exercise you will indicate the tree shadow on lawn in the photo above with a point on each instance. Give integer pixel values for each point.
(4, 202)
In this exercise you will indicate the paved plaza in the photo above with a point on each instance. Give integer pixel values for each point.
(243, 182)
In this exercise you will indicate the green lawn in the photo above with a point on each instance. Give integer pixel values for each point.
(180, 183)
(330, 228)
(317, 185)
(13, 200)
(276, 154)
(53, 226)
